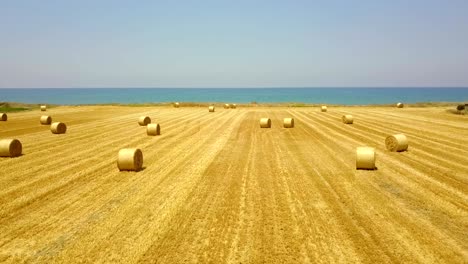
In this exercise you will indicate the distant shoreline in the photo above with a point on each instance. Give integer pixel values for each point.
(249, 88)
(31, 106)
(247, 97)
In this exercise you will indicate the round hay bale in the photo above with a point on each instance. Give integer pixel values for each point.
(10, 148)
(211, 109)
(226, 106)
(265, 123)
(233, 106)
(400, 105)
(153, 129)
(58, 128)
(130, 159)
(43, 107)
(347, 119)
(365, 158)
(144, 120)
(46, 120)
(288, 122)
(461, 107)
(176, 105)
(3, 117)
(397, 142)
(324, 108)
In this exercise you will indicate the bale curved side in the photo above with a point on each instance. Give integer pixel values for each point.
(265, 122)
(288, 122)
(46, 120)
(347, 119)
(211, 109)
(58, 128)
(365, 158)
(153, 130)
(144, 120)
(130, 159)
(324, 108)
(10, 148)
(396, 143)
(3, 117)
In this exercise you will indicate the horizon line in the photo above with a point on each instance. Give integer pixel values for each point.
(262, 87)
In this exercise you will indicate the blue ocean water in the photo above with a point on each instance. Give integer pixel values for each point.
(347, 96)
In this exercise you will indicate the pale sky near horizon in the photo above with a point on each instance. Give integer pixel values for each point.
(326, 43)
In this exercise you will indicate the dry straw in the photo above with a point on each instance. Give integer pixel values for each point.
(176, 105)
(153, 129)
(233, 106)
(3, 117)
(397, 142)
(265, 123)
(288, 122)
(46, 120)
(58, 128)
(144, 120)
(226, 106)
(130, 159)
(347, 119)
(400, 105)
(365, 158)
(43, 107)
(324, 108)
(10, 148)
(211, 109)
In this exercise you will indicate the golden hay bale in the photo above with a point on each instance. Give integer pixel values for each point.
(265, 123)
(46, 120)
(144, 120)
(400, 105)
(324, 108)
(130, 159)
(233, 106)
(153, 129)
(10, 148)
(176, 105)
(58, 128)
(211, 108)
(347, 119)
(3, 117)
(397, 142)
(43, 107)
(288, 122)
(226, 106)
(365, 158)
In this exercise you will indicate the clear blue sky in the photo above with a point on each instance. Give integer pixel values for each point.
(266, 43)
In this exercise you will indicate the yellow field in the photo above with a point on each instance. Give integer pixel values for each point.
(216, 188)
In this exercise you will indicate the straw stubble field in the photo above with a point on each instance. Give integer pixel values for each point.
(217, 188)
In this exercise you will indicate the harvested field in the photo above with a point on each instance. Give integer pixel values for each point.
(217, 188)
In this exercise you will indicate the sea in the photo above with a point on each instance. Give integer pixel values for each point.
(344, 96)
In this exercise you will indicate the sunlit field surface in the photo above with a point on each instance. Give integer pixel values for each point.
(217, 188)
